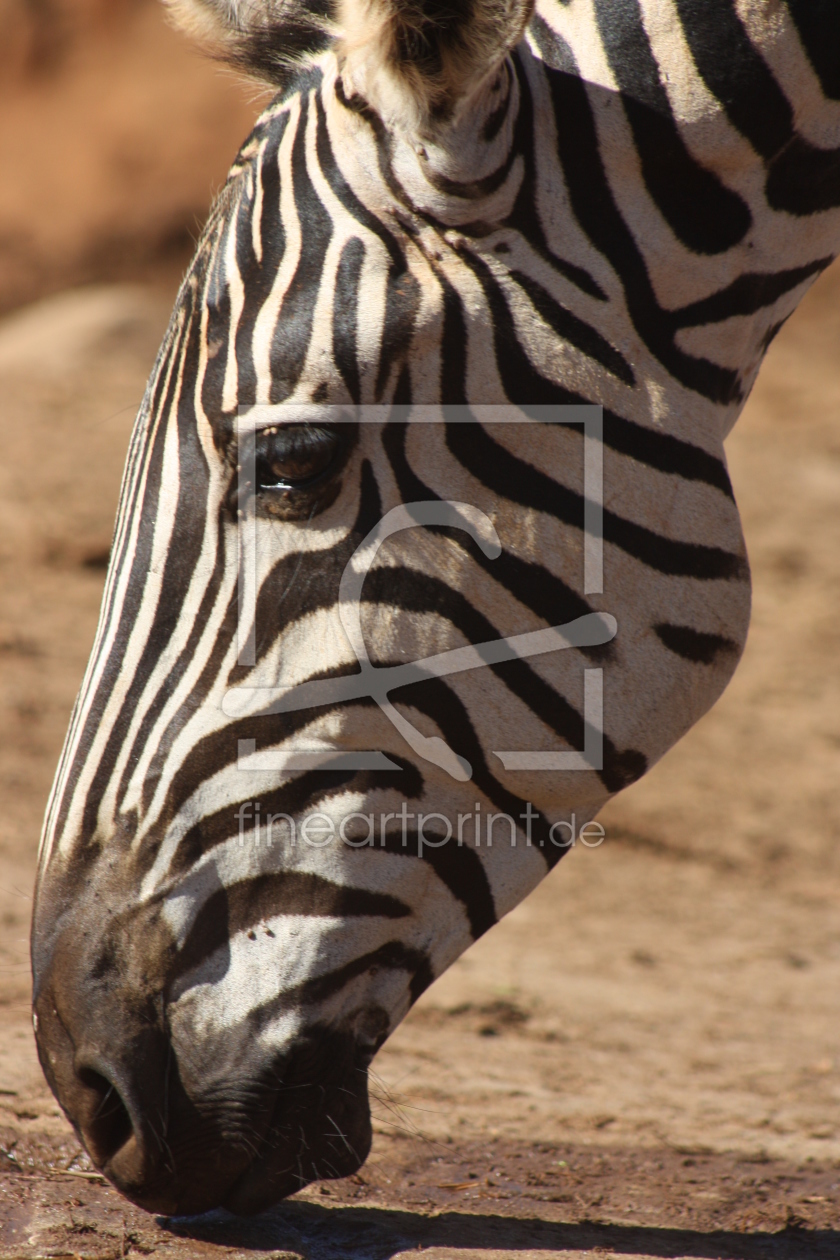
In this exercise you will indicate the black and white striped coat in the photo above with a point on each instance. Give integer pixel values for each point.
(622, 210)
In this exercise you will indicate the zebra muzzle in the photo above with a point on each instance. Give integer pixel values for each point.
(179, 1120)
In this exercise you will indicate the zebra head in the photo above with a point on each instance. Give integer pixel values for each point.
(284, 805)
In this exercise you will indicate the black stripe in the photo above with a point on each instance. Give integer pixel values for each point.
(693, 645)
(440, 703)
(218, 749)
(521, 380)
(415, 592)
(751, 292)
(665, 452)
(476, 189)
(181, 561)
(167, 688)
(216, 302)
(597, 212)
(662, 451)
(304, 581)
(526, 386)
(402, 303)
(804, 180)
(149, 456)
(453, 344)
(534, 586)
(498, 469)
(735, 72)
(346, 315)
(192, 701)
(801, 179)
(140, 561)
(392, 956)
(295, 797)
(293, 332)
(258, 275)
(701, 211)
(458, 867)
(247, 903)
(403, 292)
(525, 216)
(574, 330)
(342, 190)
(493, 122)
(818, 23)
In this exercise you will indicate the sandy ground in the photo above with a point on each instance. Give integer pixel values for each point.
(642, 1060)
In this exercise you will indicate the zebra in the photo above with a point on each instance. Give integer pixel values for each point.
(486, 204)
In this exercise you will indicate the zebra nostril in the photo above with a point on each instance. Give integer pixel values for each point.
(105, 1124)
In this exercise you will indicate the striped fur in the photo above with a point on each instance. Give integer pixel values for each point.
(632, 204)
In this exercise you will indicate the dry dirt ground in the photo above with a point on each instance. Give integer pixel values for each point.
(640, 1061)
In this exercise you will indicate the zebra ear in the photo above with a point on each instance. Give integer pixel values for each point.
(265, 38)
(416, 61)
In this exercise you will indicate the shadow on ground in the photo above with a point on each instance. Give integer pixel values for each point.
(376, 1234)
(490, 1199)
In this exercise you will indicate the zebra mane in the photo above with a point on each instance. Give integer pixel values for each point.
(415, 61)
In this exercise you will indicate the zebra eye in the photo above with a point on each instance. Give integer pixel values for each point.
(295, 457)
(291, 472)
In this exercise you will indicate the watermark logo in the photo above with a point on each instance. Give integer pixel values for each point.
(377, 682)
(411, 830)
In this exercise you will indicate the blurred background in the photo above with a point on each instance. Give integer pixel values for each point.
(673, 994)
(114, 133)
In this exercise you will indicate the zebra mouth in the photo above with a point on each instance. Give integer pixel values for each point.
(320, 1127)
